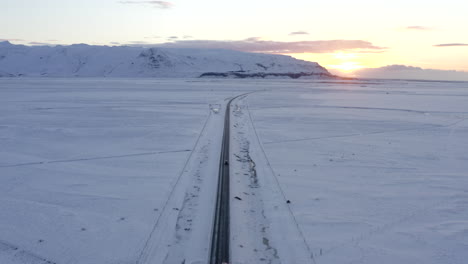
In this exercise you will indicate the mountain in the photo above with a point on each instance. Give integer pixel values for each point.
(82, 60)
(410, 72)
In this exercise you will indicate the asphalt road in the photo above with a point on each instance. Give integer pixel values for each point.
(220, 239)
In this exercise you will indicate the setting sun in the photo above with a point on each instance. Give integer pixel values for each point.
(345, 62)
(346, 66)
(208, 132)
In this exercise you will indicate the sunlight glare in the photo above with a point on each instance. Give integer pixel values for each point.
(346, 66)
(345, 56)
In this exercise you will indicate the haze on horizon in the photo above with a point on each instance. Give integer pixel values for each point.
(340, 35)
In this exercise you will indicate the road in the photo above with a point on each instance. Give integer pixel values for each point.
(220, 239)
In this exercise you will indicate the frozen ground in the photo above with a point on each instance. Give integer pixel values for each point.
(124, 170)
(376, 173)
(87, 165)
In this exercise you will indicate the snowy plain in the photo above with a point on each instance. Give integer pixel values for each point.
(376, 171)
(86, 165)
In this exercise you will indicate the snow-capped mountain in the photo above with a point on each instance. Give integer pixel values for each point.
(102, 61)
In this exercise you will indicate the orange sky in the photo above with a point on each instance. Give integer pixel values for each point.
(408, 30)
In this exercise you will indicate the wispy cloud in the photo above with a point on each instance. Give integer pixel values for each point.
(138, 42)
(172, 38)
(36, 43)
(152, 37)
(419, 28)
(452, 45)
(295, 33)
(19, 40)
(263, 46)
(254, 39)
(157, 4)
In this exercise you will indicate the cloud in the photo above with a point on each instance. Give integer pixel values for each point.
(153, 37)
(420, 28)
(172, 38)
(19, 40)
(411, 73)
(254, 39)
(298, 33)
(138, 42)
(263, 46)
(452, 45)
(35, 43)
(157, 4)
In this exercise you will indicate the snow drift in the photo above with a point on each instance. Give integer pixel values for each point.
(82, 60)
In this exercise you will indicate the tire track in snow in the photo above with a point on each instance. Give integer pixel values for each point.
(149, 249)
(250, 241)
(362, 108)
(369, 133)
(286, 222)
(21, 255)
(93, 158)
(380, 229)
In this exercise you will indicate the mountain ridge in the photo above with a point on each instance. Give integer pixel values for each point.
(82, 60)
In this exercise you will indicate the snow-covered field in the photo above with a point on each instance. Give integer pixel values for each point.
(377, 172)
(124, 170)
(87, 165)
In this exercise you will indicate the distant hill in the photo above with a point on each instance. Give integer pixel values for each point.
(410, 73)
(102, 61)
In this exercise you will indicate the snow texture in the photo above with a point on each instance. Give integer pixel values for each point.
(124, 170)
(92, 171)
(375, 172)
(101, 61)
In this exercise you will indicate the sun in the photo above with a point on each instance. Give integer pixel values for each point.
(345, 62)
(342, 62)
(346, 66)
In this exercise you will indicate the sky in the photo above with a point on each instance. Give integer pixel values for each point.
(342, 35)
